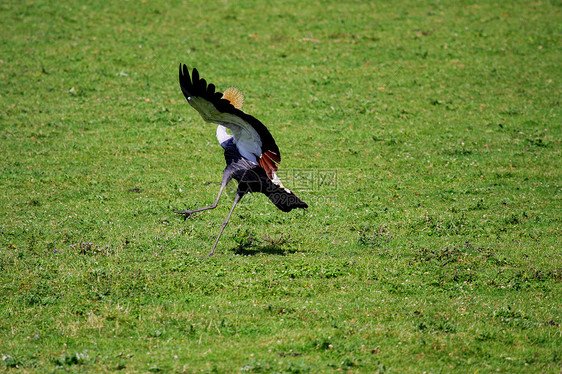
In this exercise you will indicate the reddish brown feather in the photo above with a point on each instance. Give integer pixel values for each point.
(268, 165)
(272, 155)
(263, 165)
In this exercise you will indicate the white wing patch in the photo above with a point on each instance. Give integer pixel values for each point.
(222, 134)
(247, 141)
(245, 136)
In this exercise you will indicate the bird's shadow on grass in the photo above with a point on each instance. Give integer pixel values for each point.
(250, 245)
(254, 250)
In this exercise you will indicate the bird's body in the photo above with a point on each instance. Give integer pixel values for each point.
(250, 151)
(252, 178)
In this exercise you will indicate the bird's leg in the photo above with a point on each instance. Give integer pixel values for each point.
(236, 200)
(187, 213)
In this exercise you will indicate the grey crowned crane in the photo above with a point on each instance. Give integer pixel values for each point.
(249, 150)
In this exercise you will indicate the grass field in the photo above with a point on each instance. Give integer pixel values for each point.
(424, 135)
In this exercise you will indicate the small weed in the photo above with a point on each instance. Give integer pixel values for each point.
(442, 257)
(12, 362)
(72, 359)
(245, 239)
(255, 366)
(87, 248)
(277, 242)
(437, 326)
(485, 336)
(376, 238)
(537, 142)
(480, 205)
(323, 344)
(512, 219)
(348, 363)
(451, 225)
(512, 317)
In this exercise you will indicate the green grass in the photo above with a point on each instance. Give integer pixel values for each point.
(436, 249)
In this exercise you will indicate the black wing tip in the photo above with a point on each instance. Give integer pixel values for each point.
(184, 73)
(296, 202)
(183, 69)
(300, 204)
(294, 205)
(185, 79)
(286, 200)
(194, 85)
(191, 84)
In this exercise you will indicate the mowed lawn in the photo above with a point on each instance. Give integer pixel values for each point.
(424, 135)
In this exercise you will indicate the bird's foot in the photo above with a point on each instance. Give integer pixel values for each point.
(186, 213)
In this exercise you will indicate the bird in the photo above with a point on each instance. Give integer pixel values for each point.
(250, 152)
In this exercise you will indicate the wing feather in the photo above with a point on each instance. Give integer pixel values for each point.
(253, 139)
(268, 165)
(194, 74)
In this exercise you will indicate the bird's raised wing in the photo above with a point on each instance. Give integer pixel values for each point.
(252, 138)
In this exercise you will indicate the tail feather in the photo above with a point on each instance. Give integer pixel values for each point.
(283, 199)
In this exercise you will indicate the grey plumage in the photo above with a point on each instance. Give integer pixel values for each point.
(252, 178)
